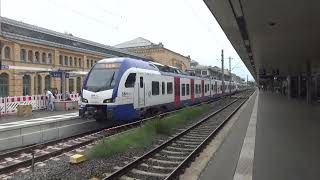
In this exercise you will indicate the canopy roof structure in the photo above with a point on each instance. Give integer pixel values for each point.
(272, 37)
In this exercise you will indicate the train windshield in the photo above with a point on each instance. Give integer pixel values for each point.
(102, 77)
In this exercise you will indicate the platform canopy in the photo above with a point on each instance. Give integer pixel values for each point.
(272, 36)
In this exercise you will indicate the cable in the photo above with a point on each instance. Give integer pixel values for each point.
(83, 15)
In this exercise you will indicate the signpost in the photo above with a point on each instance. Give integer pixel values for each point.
(59, 74)
(2, 67)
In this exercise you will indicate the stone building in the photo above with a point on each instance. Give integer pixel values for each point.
(156, 52)
(29, 53)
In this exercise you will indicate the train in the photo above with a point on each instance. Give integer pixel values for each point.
(122, 90)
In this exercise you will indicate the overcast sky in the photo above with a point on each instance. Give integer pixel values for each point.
(184, 26)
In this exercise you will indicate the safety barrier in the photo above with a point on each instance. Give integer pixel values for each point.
(8, 105)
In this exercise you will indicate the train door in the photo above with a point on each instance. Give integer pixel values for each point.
(141, 92)
(202, 89)
(192, 90)
(216, 87)
(177, 100)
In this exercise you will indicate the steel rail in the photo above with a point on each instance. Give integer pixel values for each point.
(108, 132)
(138, 161)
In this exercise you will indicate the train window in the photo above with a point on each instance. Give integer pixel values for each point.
(169, 87)
(188, 89)
(198, 89)
(131, 79)
(183, 89)
(155, 88)
(163, 87)
(141, 82)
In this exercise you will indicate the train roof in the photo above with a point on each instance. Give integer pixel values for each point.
(130, 62)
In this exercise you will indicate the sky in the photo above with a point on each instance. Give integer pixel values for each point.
(184, 26)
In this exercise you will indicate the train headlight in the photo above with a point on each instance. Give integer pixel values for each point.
(108, 100)
(84, 100)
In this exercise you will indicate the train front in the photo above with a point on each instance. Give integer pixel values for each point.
(98, 91)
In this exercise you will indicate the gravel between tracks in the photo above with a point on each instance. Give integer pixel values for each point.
(60, 168)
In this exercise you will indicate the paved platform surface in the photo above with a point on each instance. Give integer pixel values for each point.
(35, 115)
(223, 164)
(287, 142)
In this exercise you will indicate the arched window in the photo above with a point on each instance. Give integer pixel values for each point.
(47, 82)
(37, 85)
(88, 65)
(60, 59)
(91, 62)
(30, 55)
(7, 52)
(75, 61)
(78, 84)
(66, 60)
(49, 58)
(26, 80)
(4, 85)
(79, 62)
(70, 61)
(71, 85)
(37, 56)
(22, 55)
(44, 57)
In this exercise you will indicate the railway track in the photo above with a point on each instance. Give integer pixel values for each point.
(169, 159)
(13, 160)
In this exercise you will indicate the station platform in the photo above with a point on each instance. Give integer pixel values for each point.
(42, 126)
(35, 115)
(274, 138)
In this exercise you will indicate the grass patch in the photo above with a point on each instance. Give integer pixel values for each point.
(166, 125)
(142, 137)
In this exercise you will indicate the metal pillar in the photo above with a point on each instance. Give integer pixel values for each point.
(63, 85)
(222, 70)
(230, 74)
(299, 86)
(308, 83)
(316, 86)
(289, 87)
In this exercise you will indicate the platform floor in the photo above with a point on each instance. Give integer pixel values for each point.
(287, 142)
(35, 115)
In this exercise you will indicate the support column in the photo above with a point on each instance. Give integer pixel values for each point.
(299, 86)
(316, 86)
(308, 83)
(289, 86)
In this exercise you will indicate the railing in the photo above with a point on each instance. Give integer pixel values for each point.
(8, 105)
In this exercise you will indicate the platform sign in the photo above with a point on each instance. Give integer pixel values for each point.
(58, 74)
(55, 74)
(4, 67)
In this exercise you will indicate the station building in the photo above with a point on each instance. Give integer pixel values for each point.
(29, 53)
(156, 52)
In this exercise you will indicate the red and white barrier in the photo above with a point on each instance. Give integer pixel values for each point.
(8, 105)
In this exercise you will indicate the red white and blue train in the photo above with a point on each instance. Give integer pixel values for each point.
(120, 90)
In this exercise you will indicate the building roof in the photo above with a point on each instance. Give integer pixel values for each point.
(16, 30)
(137, 42)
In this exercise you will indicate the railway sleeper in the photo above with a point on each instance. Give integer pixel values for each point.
(178, 148)
(170, 157)
(155, 169)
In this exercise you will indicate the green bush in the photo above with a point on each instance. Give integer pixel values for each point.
(142, 137)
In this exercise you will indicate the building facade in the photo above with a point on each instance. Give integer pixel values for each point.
(156, 52)
(30, 54)
(213, 72)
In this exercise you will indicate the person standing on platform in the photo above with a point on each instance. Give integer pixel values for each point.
(50, 100)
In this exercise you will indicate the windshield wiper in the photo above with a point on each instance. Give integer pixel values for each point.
(112, 78)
